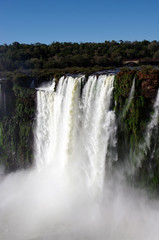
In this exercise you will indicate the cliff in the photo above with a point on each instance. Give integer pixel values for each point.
(16, 126)
(133, 124)
(150, 83)
(17, 117)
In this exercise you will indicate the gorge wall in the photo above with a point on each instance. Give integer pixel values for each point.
(16, 125)
(17, 118)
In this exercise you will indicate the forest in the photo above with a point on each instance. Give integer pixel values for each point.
(41, 61)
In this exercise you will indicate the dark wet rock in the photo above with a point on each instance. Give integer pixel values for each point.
(150, 83)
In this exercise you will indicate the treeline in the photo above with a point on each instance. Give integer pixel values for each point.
(41, 58)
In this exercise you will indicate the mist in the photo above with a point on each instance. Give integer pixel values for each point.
(46, 205)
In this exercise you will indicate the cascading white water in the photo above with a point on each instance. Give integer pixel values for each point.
(43, 132)
(130, 98)
(98, 126)
(144, 146)
(67, 121)
(153, 122)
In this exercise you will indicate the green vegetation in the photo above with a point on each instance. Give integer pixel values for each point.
(132, 124)
(40, 61)
(134, 118)
(16, 133)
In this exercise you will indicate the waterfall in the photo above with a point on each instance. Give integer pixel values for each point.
(74, 129)
(130, 98)
(98, 126)
(43, 133)
(151, 128)
(153, 122)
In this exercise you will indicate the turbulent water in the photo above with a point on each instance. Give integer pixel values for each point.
(69, 194)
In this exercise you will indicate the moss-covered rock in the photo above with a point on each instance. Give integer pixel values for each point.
(132, 123)
(16, 133)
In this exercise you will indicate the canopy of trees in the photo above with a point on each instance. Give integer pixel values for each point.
(37, 59)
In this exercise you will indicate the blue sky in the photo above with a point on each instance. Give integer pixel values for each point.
(46, 21)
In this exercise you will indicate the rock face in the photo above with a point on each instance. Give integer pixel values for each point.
(150, 83)
(16, 120)
(134, 124)
(7, 103)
